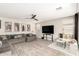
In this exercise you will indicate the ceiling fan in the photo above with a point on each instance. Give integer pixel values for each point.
(33, 16)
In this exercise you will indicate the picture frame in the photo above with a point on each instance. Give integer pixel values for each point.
(23, 27)
(28, 27)
(16, 27)
(0, 24)
(8, 26)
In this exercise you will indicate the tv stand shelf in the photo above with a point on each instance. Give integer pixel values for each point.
(46, 36)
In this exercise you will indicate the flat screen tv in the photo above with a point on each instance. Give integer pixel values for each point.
(48, 29)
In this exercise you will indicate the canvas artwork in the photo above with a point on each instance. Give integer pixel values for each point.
(8, 26)
(28, 27)
(0, 23)
(16, 27)
(23, 27)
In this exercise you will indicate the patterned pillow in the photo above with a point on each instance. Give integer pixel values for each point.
(68, 36)
(65, 36)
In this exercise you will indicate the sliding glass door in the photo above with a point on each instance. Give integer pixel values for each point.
(76, 32)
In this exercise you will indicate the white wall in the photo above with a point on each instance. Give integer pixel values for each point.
(20, 21)
(59, 25)
(62, 25)
(38, 30)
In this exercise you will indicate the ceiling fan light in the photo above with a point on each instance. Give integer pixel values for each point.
(58, 8)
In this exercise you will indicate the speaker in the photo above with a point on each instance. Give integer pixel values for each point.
(61, 35)
(42, 37)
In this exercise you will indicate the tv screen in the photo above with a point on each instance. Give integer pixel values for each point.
(48, 29)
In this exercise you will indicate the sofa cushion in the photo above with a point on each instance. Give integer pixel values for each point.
(0, 43)
(5, 46)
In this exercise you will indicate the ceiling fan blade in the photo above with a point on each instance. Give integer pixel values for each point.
(33, 16)
(36, 19)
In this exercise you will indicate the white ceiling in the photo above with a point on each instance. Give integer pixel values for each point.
(43, 11)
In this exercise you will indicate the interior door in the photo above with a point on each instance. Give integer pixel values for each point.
(38, 30)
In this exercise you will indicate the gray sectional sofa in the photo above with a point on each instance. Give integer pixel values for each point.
(7, 40)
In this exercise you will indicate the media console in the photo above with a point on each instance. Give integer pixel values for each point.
(48, 30)
(46, 36)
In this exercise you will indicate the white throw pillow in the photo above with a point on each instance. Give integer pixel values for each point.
(0, 43)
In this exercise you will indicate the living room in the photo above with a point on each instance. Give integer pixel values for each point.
(24, 29)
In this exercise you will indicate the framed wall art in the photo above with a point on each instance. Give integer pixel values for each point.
(28, 27)
(0, 24)
(16, 26)
(23, 27)
(8, 26)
